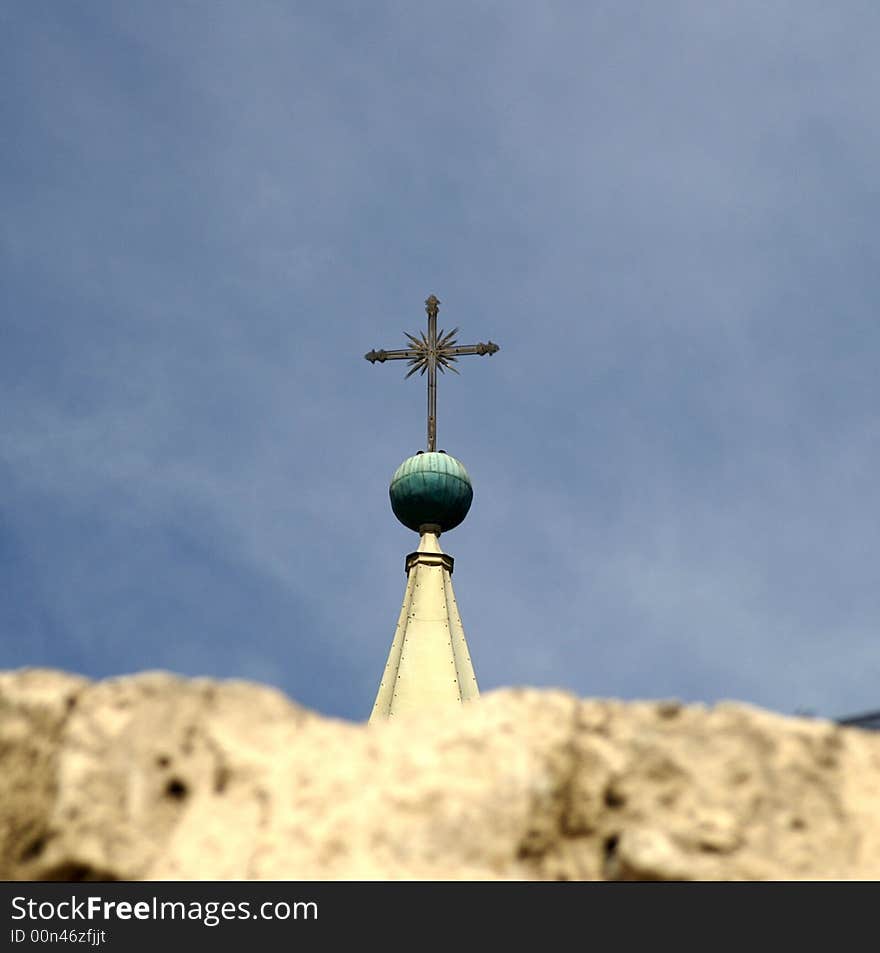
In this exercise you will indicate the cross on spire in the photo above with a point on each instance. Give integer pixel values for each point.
(427, 354)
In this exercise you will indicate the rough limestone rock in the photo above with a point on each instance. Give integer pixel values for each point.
(154, 776)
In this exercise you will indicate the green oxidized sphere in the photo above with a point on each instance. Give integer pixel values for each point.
(431, 488)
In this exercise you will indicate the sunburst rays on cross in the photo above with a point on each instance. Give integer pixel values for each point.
(445, 353)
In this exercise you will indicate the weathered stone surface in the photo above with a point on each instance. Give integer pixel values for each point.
(154, 776)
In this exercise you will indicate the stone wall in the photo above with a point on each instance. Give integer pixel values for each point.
(153, 776)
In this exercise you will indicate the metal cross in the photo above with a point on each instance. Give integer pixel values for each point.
(427, 354)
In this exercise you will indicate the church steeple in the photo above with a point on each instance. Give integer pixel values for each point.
(429, 664)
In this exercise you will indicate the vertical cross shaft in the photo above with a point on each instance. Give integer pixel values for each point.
(429, 352)
(432, 306)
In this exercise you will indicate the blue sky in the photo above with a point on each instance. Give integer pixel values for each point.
(665, 214)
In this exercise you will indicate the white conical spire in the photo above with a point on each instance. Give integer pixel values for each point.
(429, 665)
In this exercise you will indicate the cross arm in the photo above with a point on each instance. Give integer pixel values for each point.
(403, 354)
(480, 349)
